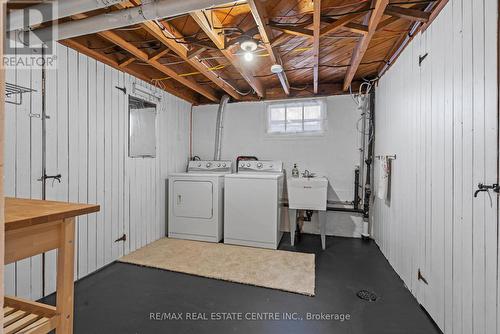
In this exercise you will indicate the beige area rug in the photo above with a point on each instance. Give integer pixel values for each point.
(275, 269)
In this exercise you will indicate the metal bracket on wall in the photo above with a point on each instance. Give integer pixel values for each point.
(122, 89)
(421, 58)
(421, 278)
(122, 238)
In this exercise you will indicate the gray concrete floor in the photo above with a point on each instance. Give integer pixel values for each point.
(121, 297)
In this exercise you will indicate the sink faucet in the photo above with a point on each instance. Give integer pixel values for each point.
(306, 173)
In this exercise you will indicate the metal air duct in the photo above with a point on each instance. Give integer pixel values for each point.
(121, 18)
(50, 11)
(220, 126)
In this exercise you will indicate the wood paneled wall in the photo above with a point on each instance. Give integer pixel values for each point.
(87, 142)
(440, 118)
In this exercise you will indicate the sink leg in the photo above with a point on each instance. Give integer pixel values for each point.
(292, 217)
(322, 228)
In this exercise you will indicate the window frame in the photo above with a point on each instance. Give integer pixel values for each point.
(302, 103)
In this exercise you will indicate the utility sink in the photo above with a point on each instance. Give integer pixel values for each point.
(307, 193)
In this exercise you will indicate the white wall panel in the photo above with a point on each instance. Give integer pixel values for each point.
(87, 142)
(440, 118)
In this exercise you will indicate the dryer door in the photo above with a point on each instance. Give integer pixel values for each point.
(193, 199)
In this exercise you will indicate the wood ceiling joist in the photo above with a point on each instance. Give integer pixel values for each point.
(362, 45)
(183, 94)
(316, 36)
(261, 18)
(339, 23)
(408, 13)
(292, 30)
(219, 41)
(126, 62)
(167, 35)
(114, 38)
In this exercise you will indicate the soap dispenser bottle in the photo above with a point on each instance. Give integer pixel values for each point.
(295, 171)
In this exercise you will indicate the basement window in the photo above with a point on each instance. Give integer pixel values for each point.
(297, 117)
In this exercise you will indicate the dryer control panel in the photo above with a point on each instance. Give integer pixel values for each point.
(208, 166)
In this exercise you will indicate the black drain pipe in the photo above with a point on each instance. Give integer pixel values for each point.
(357, 199)
(369, 159)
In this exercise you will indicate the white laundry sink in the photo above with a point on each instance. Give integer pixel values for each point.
(307, 193)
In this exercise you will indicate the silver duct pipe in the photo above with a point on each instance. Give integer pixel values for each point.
(157, 9)
(220, 126)
(54, 10)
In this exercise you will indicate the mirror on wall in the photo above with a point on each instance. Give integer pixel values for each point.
(142, 128)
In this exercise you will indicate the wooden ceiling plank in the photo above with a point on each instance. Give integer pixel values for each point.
(129, 47)
(201, 19)
(408, 13)
(183, 94)
(316, 36)
(362, 45)
(261, 18)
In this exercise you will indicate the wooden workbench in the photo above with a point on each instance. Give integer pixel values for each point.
(33, 227)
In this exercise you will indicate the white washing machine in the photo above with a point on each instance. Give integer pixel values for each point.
(196, 199)
(253, 204)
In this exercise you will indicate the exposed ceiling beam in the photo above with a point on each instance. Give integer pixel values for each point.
(357, 28)
(183, 94)
(362, 45)
(159, 54)
(386, 22)
(195, 51)
(316, 36)
(292, 30)
(261, 18)
(168, 36)
(340, 23)
(326, 89)
(118, 40)
(219, 41)
(126, 62)
(408, 13)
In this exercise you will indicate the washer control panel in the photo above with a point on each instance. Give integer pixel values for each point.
(260, 166)
(206, 166)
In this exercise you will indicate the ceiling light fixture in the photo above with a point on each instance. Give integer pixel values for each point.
(248, 46)
(248, 56)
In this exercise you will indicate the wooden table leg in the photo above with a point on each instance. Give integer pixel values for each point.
(65, 272)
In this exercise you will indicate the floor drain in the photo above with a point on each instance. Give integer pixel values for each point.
(367, 295)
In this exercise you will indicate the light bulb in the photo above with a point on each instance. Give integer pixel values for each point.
(248, 56)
